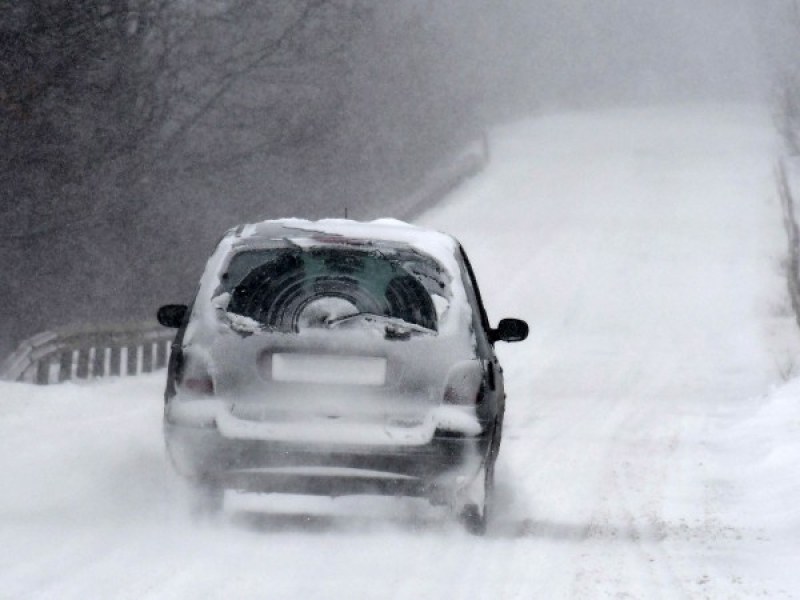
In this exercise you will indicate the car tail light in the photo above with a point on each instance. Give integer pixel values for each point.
(452, 396)
(201, 386)
(464, 383)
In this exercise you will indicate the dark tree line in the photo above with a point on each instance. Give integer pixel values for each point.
(76, 104)
(136, 131)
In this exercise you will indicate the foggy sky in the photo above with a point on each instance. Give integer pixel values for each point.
(578, 53)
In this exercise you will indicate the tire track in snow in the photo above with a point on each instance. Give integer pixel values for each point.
(631, 349)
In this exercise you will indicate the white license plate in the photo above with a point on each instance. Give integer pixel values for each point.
(328, 368)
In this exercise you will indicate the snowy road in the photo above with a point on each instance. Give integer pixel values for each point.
(644, 248)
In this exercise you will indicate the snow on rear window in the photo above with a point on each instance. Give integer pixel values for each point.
(307, 285)
(427, 256)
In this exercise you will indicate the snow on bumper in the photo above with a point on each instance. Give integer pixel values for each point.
(434, 458)
(217, 414)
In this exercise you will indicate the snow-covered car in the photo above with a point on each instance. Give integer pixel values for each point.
(336, 357)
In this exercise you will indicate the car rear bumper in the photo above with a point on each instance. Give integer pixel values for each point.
(437, 469)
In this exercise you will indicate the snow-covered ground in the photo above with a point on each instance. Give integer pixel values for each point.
(651, 445)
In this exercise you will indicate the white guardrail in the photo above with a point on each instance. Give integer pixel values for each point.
(788, 182)
(444, 179)
(85, 352)
(89, 351)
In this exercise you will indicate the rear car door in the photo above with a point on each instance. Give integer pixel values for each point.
(493, 406)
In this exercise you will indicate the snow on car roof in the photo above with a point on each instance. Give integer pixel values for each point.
(436, 244)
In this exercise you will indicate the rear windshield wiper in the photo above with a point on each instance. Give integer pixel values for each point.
(396, 324)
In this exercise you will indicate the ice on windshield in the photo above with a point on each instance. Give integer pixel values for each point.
(426, 298)
(303, 285)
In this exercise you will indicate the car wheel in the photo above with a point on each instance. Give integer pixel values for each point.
(475, 516)
(207, 500)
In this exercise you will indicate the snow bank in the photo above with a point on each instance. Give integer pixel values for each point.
(749, 465)
(83, 451)
(760, 451)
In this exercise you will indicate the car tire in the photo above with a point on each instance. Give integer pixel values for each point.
(475, 517)
(207, 500)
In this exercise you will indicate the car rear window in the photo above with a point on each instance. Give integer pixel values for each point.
(288, 289)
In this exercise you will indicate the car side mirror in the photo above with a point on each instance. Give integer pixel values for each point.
(172, 315)
(510, 330)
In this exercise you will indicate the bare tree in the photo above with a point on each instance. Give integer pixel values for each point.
(137, 130)
(76, 102)
(243, 78)
(104, 102)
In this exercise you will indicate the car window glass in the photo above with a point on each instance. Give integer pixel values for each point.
(288, 289)
(480, 319)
